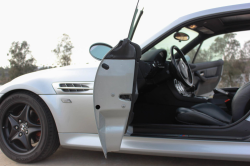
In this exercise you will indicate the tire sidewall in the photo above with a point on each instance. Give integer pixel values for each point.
(26, 99)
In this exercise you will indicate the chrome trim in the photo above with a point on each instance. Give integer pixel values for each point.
(88, 89)
(75, 88)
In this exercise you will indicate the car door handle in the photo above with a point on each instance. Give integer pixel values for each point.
(105, 66)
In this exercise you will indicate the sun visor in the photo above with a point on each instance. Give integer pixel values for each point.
(205, 30)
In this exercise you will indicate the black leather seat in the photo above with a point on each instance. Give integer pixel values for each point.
(210, 114)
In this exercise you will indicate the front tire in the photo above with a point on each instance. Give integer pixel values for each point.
(28, 131)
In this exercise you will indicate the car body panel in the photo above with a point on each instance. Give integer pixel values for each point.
(40, 82)
(112, 116)
(219, 150)
(75, 117)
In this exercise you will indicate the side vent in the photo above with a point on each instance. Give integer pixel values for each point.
(74, 87)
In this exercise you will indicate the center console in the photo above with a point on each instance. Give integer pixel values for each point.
(180, 88)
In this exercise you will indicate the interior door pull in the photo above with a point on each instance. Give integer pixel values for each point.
(199, 74)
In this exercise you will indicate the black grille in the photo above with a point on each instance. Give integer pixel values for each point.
(73, 85)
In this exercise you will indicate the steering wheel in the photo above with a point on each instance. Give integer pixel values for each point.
(181, 67)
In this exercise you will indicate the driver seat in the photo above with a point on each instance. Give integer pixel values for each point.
(210, 114)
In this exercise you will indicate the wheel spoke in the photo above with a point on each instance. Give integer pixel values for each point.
(13, 121)
(30, 124)
(24, 115)
(14, 137)
(25, 141)
(13, 134)
(33, 129)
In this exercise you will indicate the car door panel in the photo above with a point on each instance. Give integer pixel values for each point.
(207, 76)
(115, 93)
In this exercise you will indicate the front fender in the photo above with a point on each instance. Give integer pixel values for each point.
(40, 82)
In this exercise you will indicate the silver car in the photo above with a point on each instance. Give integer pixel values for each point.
(159, 98)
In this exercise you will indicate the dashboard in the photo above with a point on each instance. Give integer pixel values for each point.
(158, 57)
(152, 68)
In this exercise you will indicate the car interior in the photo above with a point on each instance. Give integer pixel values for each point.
(181, 99)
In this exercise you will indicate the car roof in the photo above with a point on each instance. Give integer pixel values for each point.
(196, 15)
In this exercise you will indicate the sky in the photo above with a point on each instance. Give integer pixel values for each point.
(42, 23)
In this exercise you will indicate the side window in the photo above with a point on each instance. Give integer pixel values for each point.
(234, 50)
(210, 50)
(206, 52)
(192, 53)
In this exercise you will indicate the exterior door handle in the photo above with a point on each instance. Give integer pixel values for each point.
(105, 66)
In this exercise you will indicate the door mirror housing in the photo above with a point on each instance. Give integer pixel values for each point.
(99, 50)
(181, 36)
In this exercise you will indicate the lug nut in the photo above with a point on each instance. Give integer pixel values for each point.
(16, 127)
(20, 134)
(19, 121)
(26, 132)
(3, 127)
(26, 123)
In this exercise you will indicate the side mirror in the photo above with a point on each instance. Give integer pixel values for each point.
(99, 50)
(181, 36)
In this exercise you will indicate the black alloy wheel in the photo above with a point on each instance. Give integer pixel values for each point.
(28, 131)
(22, 129)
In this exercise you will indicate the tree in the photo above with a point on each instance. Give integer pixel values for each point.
(3, 75)
(244, 62)
(19, 64)
(64, 50)
(229, 48)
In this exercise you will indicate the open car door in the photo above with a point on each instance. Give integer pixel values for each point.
(115, 91)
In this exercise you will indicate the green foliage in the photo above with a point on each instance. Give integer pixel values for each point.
(4, 76)
(46, 67)
(236, 60)
(64, 51)
(19, 62)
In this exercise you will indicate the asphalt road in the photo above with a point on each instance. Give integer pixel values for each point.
(66, 157)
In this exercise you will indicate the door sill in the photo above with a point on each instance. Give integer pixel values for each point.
(238, 132)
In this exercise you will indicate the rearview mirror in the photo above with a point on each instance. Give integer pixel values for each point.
(99, 50)
(181, 36)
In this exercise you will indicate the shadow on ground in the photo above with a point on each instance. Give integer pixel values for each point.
(66, 157)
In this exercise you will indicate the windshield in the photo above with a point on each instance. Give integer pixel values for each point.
(169, 41)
